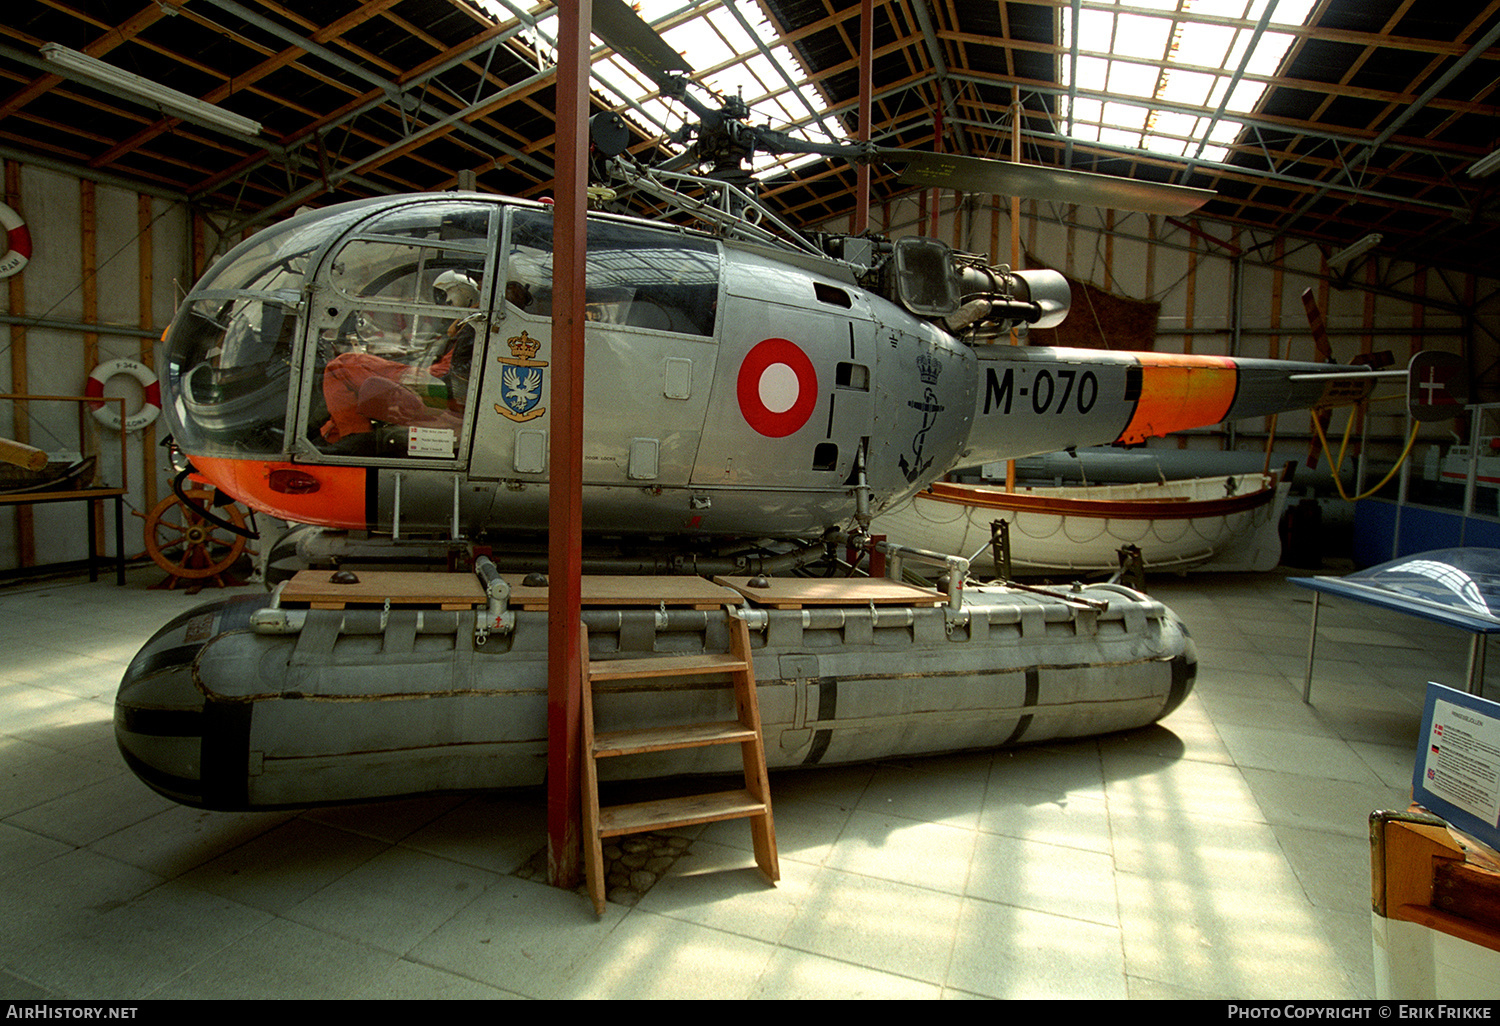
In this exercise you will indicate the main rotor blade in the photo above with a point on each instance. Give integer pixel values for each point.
(627, 33)
(1032, 181)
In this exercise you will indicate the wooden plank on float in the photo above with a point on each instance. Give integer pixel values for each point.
(449, 591)
(797, 592)
(611, 591)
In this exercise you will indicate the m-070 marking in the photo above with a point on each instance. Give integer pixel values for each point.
(1000, 388)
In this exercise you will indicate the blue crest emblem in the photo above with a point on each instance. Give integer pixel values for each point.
(521, 389)
(522, 380)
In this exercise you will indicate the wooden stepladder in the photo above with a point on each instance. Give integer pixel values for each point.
(752, 802)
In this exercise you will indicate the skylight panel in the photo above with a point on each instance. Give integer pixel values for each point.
(757, 74)
(1209, 44)
(1118, 137)
(1132, 79)
(1086, 117)
(1170, 125)
(1246, 95)
(1191, 88)
(1139, 36)
(727, 60)
(1093, 73)
(1225, 130)
(1123, 115)
(1266, 60)
(703, 44)
(1138, 52)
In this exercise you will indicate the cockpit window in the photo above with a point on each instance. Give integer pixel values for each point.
(396, 349)
(277, 257)
(229, 372)
(267, 265)
(396, 273)
(639, 277)
(455, 221)
(394, 336)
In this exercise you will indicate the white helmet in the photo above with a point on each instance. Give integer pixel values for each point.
(456, 288)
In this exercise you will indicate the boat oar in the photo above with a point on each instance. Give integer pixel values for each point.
(22, 455)
(1097, 605)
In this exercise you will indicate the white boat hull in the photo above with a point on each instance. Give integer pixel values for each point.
(1179, 525)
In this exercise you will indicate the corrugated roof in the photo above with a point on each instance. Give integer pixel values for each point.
(1369, 123)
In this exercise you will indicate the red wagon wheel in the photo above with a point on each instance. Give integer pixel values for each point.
(184, 544)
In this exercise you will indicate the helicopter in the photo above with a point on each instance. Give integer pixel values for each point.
(381, 366)
(376, 371)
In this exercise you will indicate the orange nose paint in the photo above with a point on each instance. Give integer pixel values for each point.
(1181, 392)
(338, 500)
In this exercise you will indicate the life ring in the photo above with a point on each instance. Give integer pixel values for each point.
(108, 414)
(18, 238)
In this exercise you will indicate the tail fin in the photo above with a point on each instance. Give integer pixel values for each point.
(1437, 385)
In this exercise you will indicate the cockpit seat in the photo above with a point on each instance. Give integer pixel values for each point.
(361, 390)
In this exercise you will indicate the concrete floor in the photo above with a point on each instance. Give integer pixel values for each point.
(1220, 854)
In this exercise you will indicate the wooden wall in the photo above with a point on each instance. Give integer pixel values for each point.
(103, 256)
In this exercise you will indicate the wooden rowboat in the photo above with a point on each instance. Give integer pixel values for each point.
(49, 477)
(1213, 523)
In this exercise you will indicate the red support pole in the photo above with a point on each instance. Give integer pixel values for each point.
(565, 468)
(866, 117)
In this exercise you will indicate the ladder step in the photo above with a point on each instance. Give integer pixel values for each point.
(663, 739)
(751, 803)
(664, 666)
(666, 813)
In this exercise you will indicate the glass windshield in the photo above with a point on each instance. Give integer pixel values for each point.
(276, 257)
(451, 221)
(228, 373)
(226, 363)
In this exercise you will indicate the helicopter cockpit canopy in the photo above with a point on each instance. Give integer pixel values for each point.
(231, 358)
(226, 365)
(281, 350)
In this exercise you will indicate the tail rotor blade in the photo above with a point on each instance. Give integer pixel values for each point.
(1321, 346)
(1324, 352)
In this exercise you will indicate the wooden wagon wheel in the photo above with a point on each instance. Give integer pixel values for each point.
(186, 545)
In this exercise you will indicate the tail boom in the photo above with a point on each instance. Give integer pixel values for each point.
(1037, 400)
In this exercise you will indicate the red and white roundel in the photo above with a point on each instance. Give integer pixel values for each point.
(778, 388)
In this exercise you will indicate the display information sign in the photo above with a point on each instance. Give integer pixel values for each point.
(1457, 774)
